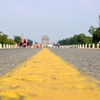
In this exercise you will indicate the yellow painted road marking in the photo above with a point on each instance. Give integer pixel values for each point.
(47, 77)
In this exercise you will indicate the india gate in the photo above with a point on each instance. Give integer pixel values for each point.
(45, 40)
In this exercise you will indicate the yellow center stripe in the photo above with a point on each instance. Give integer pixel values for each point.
(47, 77)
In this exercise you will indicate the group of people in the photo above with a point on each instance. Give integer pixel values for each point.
(24, 43)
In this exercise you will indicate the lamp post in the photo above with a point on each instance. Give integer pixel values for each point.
(22, 35)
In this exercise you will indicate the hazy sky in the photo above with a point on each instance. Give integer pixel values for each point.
(58, 19)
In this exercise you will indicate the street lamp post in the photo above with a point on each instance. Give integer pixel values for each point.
(22, 35)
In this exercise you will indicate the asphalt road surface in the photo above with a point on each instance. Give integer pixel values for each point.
(10, 58)
(85, 60)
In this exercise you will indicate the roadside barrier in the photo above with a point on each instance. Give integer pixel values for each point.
(4, 46)
(81, 46)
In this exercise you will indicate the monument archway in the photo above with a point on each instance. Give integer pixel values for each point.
(45, 40)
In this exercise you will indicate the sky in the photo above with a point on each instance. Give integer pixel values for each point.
(58, 19)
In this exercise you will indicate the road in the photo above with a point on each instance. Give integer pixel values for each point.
(10, 58)
(46, 76)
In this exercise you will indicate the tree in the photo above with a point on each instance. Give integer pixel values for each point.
(88, 40)
(17, 39)
(92, 30)
(4, 39)
(11, 41)
(30, 42)
(76, 39)
(1, 33)
(95, 34)
(62, 42)
(67, 41)
(0, 38)
(81, 38)
(36, 42)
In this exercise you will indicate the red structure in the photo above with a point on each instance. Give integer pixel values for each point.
(24, 43)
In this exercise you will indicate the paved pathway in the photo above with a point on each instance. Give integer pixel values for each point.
(45, 76)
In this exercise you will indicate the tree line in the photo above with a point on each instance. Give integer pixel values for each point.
(82, 38)
(5, 40)
(76, 39)
(17, 39)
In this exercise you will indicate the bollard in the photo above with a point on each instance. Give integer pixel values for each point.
(80, 45)
(9, 46)
(89, 45)
(93, 46)
(4, 46)
(97, 45)
(85, 45)
(0, 45)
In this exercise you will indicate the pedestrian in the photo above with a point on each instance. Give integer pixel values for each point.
(58, 45)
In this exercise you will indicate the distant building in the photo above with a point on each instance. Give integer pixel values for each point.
(45, 40)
